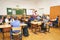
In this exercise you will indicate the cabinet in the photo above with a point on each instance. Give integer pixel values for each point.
(54, 12)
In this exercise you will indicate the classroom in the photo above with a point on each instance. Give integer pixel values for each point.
(29, 19)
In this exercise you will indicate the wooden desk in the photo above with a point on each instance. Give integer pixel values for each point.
(6, 31)
(5, 26)
(52, 20)
(38, 22)
(23, 24)
(36, 25)
(26, 20)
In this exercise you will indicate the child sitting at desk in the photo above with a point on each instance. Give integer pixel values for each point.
(55, 23)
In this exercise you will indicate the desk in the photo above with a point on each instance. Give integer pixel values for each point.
(6, 30)
(55, 23)
(52, 20)
(35, 25)
(23, 24)
(38, 22)
(5, 26)
(24, 29)
(26, 20)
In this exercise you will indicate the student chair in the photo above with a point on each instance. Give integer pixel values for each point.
(17, 35)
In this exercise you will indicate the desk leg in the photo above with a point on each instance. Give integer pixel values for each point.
(3, 35)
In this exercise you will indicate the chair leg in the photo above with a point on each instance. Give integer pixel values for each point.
(35, 30)
(20, 37)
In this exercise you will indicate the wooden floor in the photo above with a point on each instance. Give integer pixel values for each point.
(53, 35)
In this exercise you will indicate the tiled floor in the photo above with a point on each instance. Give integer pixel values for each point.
(53, 35)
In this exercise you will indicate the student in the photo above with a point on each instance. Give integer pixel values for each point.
(15, 24)
(48, 18)
(25, 29)
(43, 16)
(38, 18)
(45, 21)
(11, 19)
(55, 23)
(6, 20)
(1, 23)
(31, 18)
(29, 21)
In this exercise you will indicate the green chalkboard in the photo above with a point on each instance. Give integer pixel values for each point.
(19, 12)
(9, 11)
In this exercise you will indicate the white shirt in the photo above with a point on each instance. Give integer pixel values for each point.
(48, 17)
(11, 20)
(6, 20)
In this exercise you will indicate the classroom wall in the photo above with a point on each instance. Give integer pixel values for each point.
(43, 6)
(46, 4)
(4, 4)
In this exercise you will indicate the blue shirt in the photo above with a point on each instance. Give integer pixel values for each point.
(15, 23)
(31, 19)
(38, 18)
(56, 20)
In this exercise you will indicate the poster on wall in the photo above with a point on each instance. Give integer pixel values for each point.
(14, 12)
(29, 12)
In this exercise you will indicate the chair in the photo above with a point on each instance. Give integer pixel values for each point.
(47, 26)
(39, 25)
(34, 26)
(59, 23)
(16, 35)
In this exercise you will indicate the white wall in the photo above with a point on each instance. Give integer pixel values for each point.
(46, 4)
(4, 4)
(28, 4)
